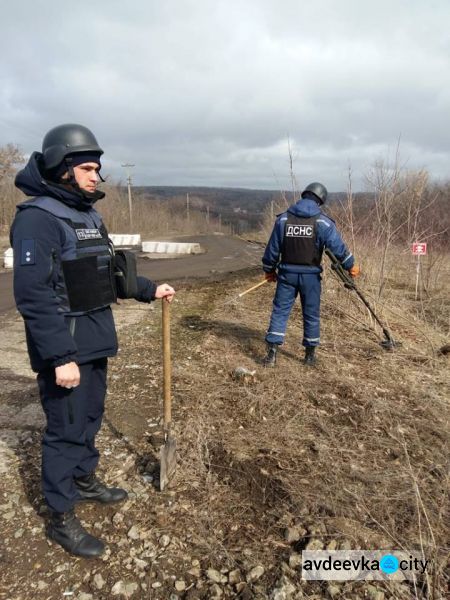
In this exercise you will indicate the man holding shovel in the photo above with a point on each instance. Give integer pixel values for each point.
(295, 250)
(64, 284)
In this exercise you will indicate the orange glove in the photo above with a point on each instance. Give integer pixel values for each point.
(355, 271)
(270, 276)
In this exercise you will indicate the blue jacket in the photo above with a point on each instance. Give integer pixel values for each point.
(38, 238)
(326, 236)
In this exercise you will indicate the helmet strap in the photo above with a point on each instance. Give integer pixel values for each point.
(69, 164)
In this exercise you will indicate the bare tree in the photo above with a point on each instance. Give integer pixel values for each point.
(10, 158)
(404, 212)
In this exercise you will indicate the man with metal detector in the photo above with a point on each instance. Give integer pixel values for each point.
(66, 276)
(293, 258)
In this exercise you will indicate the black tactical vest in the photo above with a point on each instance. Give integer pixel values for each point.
(82, 276)
(299, 242)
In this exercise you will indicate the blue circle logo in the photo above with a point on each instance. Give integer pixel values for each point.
(389, 564)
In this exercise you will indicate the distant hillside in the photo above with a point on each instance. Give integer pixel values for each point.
(241, 208)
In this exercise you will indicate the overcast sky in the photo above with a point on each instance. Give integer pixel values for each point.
(208, 92)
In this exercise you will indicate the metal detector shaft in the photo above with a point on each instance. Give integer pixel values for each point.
(350, 284)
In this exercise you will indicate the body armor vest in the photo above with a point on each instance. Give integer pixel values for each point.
(299, 242)
(82, 276)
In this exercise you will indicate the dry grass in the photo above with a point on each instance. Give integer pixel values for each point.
(355, 450)
(153, 217)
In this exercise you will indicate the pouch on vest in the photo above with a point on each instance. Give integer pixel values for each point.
(126, 274)
(89, 282)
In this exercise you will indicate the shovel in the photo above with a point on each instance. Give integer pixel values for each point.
(168, 454)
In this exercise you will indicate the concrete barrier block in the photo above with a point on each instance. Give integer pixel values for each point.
(8, 258)
(171, 247)
(125, 239)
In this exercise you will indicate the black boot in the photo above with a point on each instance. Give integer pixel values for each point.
(67, 531)
(310, 358)
(92, 489)
(271, 358)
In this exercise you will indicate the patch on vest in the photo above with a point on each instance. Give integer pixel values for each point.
(300, 231)
(88, 234)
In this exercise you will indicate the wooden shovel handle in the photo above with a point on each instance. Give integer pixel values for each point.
(166, 362)
(254, 287)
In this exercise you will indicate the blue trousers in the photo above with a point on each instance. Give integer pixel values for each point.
(73, 419)
(289, 285)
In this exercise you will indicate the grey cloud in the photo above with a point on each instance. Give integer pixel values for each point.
(207, 93)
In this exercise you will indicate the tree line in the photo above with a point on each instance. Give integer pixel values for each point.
(399, 208)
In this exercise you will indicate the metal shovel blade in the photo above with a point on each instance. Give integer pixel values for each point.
(168, 458)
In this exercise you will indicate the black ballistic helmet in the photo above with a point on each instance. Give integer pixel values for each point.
(319, 191)
(67, 139)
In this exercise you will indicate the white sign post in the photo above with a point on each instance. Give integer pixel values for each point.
(418, 249)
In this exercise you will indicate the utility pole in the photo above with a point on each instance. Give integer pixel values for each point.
(187, 207)
(128, 167)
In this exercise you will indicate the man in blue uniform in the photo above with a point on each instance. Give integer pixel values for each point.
(292, 258)
(64, 284)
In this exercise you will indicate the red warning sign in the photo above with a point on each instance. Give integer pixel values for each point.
(419, 249)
